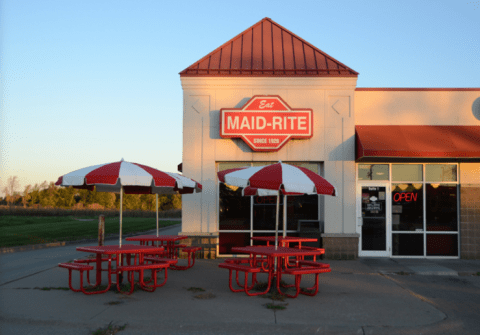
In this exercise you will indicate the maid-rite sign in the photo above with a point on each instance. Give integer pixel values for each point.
(266, 123)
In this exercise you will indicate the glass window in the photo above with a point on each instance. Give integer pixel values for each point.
(373, 172)
(441, 207)
(262, 163)
(442, 244)
(311, 166)
(303, 207)
(264, 243)
(407, 207)
(407, 244)
(234, 209)
(265, 211)
(231, 165)
(407, 172)
(228, 240)
(440, 172)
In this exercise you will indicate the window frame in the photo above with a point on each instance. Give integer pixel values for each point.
(424, 183)
(251, 230)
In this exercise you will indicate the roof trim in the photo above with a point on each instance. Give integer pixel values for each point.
(416, 89)
(264, 73)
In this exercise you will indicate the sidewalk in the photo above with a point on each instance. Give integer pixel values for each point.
(357, 297)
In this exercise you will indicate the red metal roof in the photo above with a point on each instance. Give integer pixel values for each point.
(268, 49)
(445, 142)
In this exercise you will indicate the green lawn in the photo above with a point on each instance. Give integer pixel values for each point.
(22, 230)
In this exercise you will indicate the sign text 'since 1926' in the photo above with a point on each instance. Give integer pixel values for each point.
(266, 123)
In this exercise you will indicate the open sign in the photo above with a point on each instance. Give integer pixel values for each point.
(405, 196)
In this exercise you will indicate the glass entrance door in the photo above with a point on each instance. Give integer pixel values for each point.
(373, 219)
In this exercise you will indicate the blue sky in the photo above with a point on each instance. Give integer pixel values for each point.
(89, 82)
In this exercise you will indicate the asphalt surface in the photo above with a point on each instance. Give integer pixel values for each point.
(365, 296)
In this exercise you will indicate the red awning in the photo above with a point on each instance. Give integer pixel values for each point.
(444, 142)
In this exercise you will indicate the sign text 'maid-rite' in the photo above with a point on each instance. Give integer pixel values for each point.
(267, 122)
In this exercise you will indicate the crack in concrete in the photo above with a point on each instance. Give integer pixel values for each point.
(100, 313)
(11, 281)
(420, 297)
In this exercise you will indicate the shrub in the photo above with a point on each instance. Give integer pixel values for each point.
(41, 211)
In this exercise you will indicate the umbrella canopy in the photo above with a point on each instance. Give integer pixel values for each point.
(276, 179)
(289, 179)
(130, 178)
(134, 178)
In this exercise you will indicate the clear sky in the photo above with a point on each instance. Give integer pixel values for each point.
(91, 82)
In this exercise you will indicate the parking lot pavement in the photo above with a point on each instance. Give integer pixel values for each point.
(364, 296)
(348, 301)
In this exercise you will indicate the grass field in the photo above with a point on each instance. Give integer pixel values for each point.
(23, 230)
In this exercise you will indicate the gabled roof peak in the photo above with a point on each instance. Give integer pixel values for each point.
(268, 49)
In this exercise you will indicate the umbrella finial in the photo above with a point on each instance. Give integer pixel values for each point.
(121, 160)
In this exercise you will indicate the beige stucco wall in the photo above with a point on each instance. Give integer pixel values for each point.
(417, 107)
(469, 173)
(333, 141)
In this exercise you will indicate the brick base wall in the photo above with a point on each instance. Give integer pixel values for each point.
(470, 221)
(208, 245)
(345, 248)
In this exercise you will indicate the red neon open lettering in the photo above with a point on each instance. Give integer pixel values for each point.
(407, 197)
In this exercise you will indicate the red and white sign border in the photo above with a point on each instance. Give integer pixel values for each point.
(277, 147)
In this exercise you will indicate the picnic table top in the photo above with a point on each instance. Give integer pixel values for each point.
(156, 238)
(285, 239)
(278, 252)
(115, 249)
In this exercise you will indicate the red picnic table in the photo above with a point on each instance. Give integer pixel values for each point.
(110, 250)
(285, 242)
(170, 247)
(277, 254)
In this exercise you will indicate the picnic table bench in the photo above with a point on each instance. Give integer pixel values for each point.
(275, 266)
(131, 269)
(242, 268)
(80, 267)
(114, 252)
(309, 268)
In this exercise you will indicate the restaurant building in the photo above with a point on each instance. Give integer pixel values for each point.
(405, 161)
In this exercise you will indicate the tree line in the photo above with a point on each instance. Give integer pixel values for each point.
(48, 195)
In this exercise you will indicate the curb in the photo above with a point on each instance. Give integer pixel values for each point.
(65, 243)
(467, 273)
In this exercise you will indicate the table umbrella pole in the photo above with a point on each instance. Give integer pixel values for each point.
(276, 220)
(284, 215)
(156, 198)
(274, 278)
(121, 211)
(156, 203)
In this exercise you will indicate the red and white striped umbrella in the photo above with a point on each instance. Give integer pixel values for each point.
(276, 179)
(130, 178)
(289, 179)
